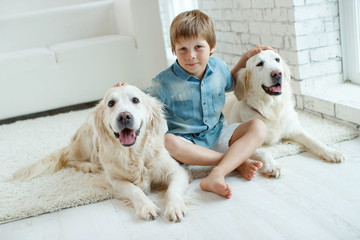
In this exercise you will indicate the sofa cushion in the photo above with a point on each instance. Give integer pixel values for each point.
(46, 28)
(25, 60)
(89, 67)
(23, 77)
(65, 74)
(12, 7)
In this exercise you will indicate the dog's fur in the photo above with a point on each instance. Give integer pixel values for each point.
(263, 91)
(123, 139)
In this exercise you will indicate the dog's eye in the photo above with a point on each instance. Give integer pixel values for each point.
(260, 64)
(135, 100)
(111, 103)
(277, 59)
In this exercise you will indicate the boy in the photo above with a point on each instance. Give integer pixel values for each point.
(193, 91)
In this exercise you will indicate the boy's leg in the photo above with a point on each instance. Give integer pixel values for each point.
(243, 143)
(246, 138)
(189, 153)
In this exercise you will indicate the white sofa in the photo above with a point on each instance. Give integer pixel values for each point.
(64, 52)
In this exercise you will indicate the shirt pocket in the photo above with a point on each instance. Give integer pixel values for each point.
(218, 100)
(184, 109)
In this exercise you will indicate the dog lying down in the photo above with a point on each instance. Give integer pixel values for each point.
(263, 91)
(123, 138)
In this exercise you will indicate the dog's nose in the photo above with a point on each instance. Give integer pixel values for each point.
(276, 74)
(125, 118)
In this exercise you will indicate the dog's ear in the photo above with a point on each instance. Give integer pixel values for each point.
(240, 88)
(98, 119)
(157, 119)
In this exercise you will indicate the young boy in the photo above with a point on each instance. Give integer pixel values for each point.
(193, 91)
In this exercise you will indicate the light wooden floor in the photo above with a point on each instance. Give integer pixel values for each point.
(313, 200)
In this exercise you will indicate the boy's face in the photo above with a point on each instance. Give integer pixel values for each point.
(193, 55)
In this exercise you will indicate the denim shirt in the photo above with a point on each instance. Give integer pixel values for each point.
(193, 106)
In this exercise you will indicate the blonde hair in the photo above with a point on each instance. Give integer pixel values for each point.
(192, 24)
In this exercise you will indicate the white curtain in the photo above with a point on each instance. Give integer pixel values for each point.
(169, 9)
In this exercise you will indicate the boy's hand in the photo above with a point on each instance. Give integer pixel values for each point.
(120, 84)
(256, 50)
(246, 56)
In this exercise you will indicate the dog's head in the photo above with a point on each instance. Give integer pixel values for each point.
(265, 70)
(125, 112)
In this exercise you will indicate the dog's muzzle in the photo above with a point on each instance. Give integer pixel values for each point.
(275, 89)
(127, 135)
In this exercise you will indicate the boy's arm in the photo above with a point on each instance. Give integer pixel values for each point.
(245, 57)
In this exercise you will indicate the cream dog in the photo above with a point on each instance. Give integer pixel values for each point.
(123, 138)
(263, 91)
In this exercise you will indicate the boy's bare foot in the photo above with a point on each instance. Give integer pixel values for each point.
(249, 168)
(216, 183)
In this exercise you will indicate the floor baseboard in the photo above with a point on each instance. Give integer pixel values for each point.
(49, 112)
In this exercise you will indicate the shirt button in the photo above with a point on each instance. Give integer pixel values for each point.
(205, 121)
(204, 103)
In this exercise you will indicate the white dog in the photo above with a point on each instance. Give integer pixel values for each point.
(123, 137)
(263, 91)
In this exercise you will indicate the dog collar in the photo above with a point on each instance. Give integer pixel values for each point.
(254, 109)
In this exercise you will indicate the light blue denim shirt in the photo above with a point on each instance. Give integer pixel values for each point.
(193, 106)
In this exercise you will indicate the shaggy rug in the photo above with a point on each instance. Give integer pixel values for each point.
(24, 142)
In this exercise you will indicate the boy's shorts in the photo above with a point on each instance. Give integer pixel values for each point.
(222, 144)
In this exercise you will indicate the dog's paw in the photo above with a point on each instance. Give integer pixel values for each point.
(175, 210)
(270, 168)
(274, 172)
(148, 211)
(332, 155)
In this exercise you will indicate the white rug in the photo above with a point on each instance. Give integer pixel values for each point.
(27, 141)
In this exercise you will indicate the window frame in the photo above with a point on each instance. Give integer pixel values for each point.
(349, 12)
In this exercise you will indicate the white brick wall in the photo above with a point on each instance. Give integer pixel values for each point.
(305, 32)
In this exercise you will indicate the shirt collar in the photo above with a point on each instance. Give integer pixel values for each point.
(210, 66)
(181, 72)
(186, 76)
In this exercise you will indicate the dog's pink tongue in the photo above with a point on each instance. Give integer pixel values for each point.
(276, 88)
(127, 136)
